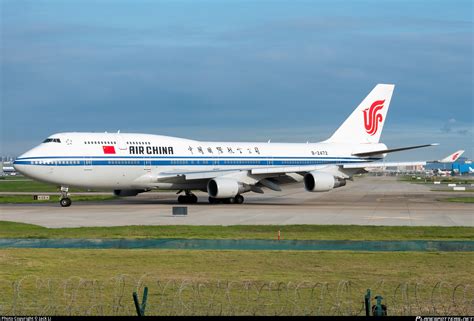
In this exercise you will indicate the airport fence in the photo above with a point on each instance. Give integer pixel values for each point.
(78, 296)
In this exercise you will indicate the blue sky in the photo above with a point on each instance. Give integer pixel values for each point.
(291, 71)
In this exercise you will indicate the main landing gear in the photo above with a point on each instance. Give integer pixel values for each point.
(237, 199)
(188, 198)
(64, 200)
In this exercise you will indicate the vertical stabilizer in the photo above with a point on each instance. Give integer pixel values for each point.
(366, 122)
(452, 158)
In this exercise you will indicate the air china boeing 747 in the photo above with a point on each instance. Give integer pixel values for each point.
(130, 164)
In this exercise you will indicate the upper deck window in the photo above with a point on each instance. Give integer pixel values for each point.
(52, 140)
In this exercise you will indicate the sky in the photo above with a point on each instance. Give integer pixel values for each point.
(289, 71)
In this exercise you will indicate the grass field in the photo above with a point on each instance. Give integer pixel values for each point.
(289, 232)
(431, 179)
(47, 281)
(23, 184)
(182, 282)
(365, 267)
(458, 199)
(452, 191)
(21, 199)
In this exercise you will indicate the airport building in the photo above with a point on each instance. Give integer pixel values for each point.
(462, 166)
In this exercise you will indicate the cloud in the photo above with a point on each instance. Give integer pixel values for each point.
(448, 126)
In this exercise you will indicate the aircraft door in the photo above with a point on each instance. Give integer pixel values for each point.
(122, 144)
(51, 166)
(87, 164)
(147, 165)
(215, 162)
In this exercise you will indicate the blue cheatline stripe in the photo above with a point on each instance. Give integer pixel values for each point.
(209, 162)
(200, 157)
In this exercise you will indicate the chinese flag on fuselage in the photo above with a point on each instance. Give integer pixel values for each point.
(108, 149)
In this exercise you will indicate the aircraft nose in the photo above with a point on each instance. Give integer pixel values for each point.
(20, 164)
(17, 165)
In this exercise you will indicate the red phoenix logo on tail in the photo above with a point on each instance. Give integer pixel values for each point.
(372, 117)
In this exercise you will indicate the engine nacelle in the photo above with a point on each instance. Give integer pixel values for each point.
(128, 192)
(316, 181)
(225, 187)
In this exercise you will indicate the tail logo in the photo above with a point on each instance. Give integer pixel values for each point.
(372, 117)
(455, 156)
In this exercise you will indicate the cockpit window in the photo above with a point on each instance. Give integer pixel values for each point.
(52, 140)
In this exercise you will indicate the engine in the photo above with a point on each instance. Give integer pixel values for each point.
(128, 192)
(321, 182)
(225, 187)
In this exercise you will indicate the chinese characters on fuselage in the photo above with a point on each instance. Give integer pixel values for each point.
(221, 150)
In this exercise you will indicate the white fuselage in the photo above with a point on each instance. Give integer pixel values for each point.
(138, 161)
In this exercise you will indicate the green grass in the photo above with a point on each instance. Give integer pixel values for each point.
(238, 265)
(80, 279)
(430, 180)
(11, 178)
(452, 191)
(289, 232)
(22, 184)
(458, 199)
(21, 199)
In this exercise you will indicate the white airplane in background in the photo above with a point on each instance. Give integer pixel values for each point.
(441, 172)
(448, 159)
(130, 164)
(451, 158)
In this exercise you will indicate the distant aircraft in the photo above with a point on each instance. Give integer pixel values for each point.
(451, 158)
(9, 169)
(448, 159)
(441, 172)
(134, 163)
(471, 170)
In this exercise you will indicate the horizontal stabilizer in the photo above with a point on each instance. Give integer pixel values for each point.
(385, 151)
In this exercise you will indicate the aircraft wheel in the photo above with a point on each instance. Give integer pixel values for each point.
(239, 199)
(65, 202)
(193, 199)
(181, 199)
(212, 200)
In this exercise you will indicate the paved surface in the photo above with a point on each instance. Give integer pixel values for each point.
(367, 201)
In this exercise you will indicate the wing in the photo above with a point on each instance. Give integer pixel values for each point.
(392, 150)
(273, 177)
(383, 164)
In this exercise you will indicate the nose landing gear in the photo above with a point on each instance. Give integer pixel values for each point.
(64, 200)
